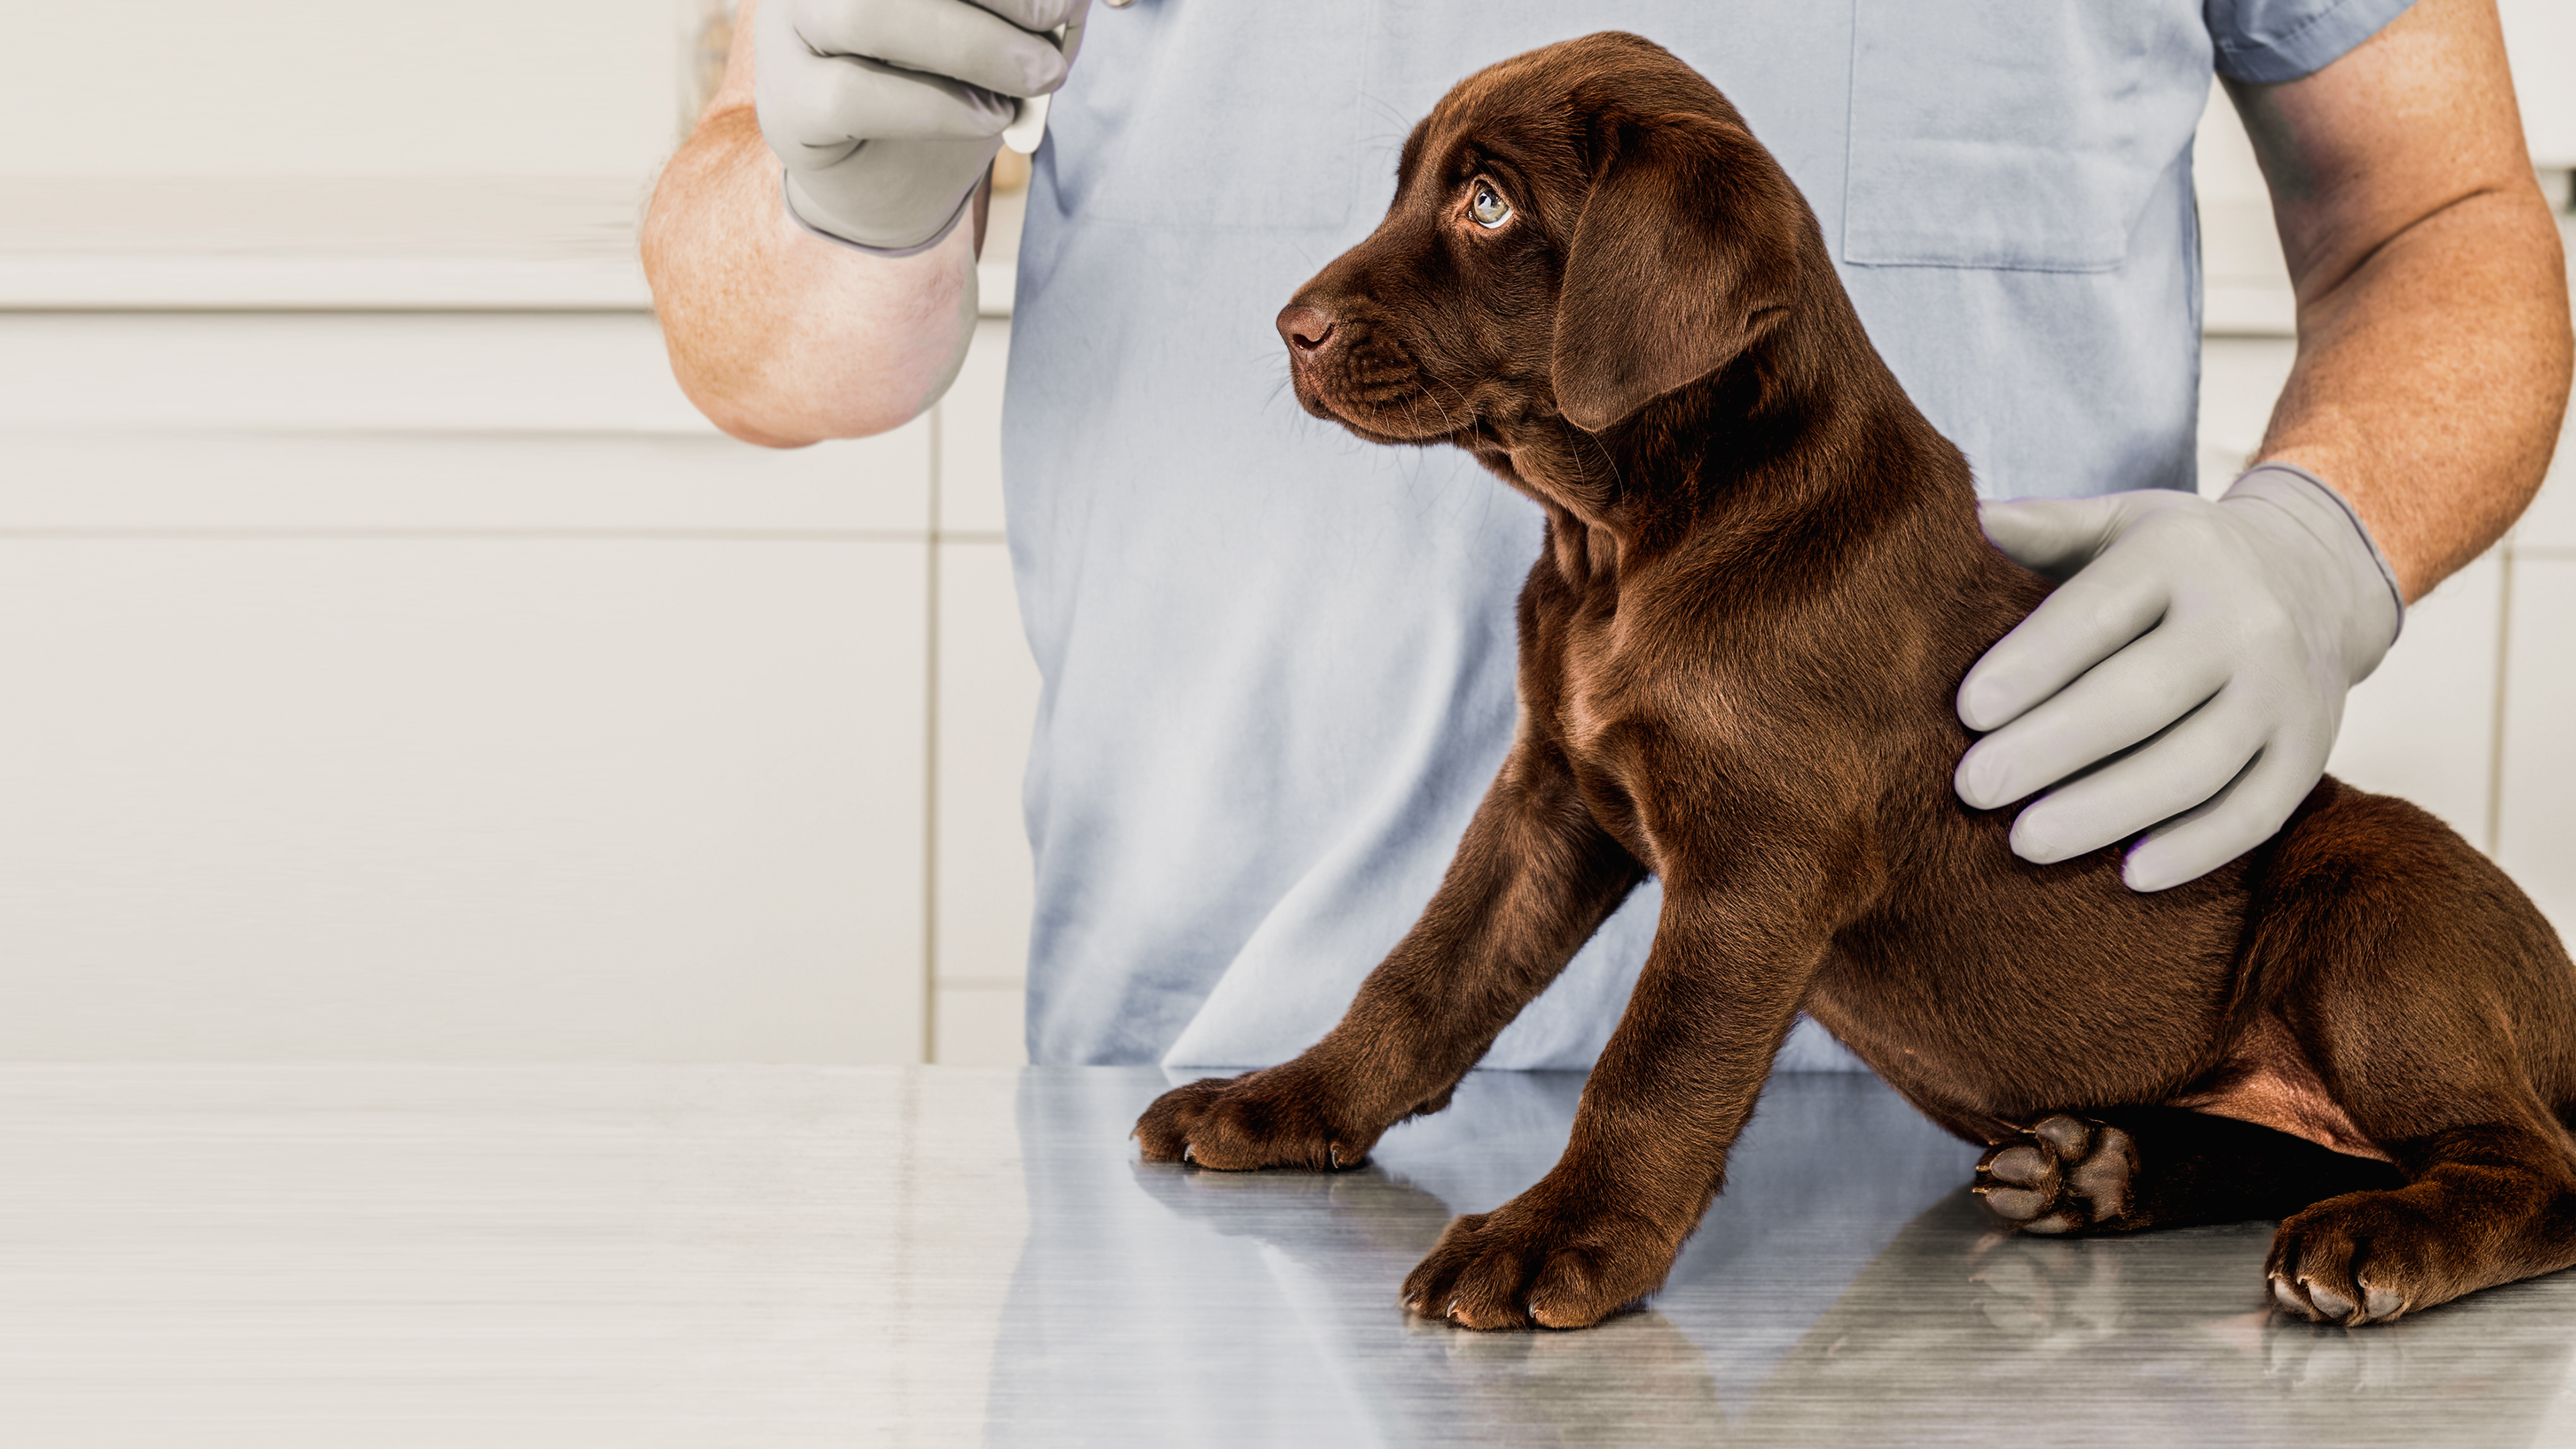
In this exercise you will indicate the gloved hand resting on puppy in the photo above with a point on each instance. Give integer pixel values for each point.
(2217, 639)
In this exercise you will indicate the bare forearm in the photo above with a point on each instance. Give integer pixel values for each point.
(780, 337)
(2430, 381)
(2434, 346)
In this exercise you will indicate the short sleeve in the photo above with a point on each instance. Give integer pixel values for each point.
(2269, 41)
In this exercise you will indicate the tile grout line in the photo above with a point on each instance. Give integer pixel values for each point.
(2495, 725)
(930, 756)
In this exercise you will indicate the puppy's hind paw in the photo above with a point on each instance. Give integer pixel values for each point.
(2063, 1175)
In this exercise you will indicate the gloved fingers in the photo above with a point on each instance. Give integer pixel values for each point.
(852, 100)
(2088, 619)
(1075, 16)
(2057, 536)
(2127, 697)
(2239, 817)
(1038, 14)
(944, 38)
(2176, 771)
(891, 193)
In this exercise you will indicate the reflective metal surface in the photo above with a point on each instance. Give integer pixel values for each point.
(653, 1256)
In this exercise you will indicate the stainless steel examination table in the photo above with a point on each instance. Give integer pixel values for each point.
(496, 1256)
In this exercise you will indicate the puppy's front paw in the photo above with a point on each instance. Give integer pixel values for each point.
(2064, 1175)
(1534, 1261)
(1285, 1116)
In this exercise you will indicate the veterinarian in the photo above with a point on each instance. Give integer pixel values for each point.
(1279, 664)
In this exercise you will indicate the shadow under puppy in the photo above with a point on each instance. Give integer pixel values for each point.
(1762, 581)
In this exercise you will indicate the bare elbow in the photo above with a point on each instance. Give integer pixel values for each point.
(748, 426)
(787, 341)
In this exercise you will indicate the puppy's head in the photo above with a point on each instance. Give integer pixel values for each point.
(1576, 232)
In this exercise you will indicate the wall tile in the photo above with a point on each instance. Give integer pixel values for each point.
(402, 799)
(970, 436)
(988, 699)
(2537, 819)
(2239, 378)
(2423, 725)
(488, 87)
(404, 422)
(303, 481)
(982, 1026)
(2551, 520)
(543, 372)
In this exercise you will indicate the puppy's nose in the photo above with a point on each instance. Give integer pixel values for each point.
(1309, 330)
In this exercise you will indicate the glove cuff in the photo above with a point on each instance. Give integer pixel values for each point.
(965, 204)
(2330, 518)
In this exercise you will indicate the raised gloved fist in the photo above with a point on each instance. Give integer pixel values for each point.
(2219, 639)
(886, 112)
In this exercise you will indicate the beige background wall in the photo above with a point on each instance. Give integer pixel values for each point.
(398, 667)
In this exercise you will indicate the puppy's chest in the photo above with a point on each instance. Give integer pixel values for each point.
(1647, 730)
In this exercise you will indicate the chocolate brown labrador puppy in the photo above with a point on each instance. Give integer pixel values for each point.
(1763, 580)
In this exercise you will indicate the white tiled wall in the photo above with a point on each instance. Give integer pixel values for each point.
(987, 700)
(441, 686)
(2536, 796)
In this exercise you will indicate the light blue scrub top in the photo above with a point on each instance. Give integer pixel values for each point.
(1278, 661)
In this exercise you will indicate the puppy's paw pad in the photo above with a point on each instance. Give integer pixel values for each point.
(2063, 1175)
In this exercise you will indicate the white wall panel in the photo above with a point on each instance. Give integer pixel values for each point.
(988, 699)
(439, 800)
(970, 435)
(200, 480)
(2540, 40)
(2537, 816)
(2245, 284)
(981, 1025)
(2550, 523)
(2423, 725)
(326, 88)
(402, 421)
(540, 371)
(2239, 379)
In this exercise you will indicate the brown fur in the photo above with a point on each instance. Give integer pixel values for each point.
(1763, 579)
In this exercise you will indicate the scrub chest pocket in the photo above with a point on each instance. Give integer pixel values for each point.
(2021, 135)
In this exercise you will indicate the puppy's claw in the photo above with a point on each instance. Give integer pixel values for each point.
(2288, 1298)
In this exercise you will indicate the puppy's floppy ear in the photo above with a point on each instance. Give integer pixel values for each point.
(1687, 241)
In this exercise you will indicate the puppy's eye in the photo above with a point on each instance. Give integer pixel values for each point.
(1488, 208)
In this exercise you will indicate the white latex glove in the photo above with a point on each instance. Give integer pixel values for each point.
(2221, 635)
(887, 112)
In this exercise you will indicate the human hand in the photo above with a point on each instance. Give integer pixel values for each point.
(887, 112)
(2218, 639)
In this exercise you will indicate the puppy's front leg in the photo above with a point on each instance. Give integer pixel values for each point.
(1671, 1092)
(1534, 876)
